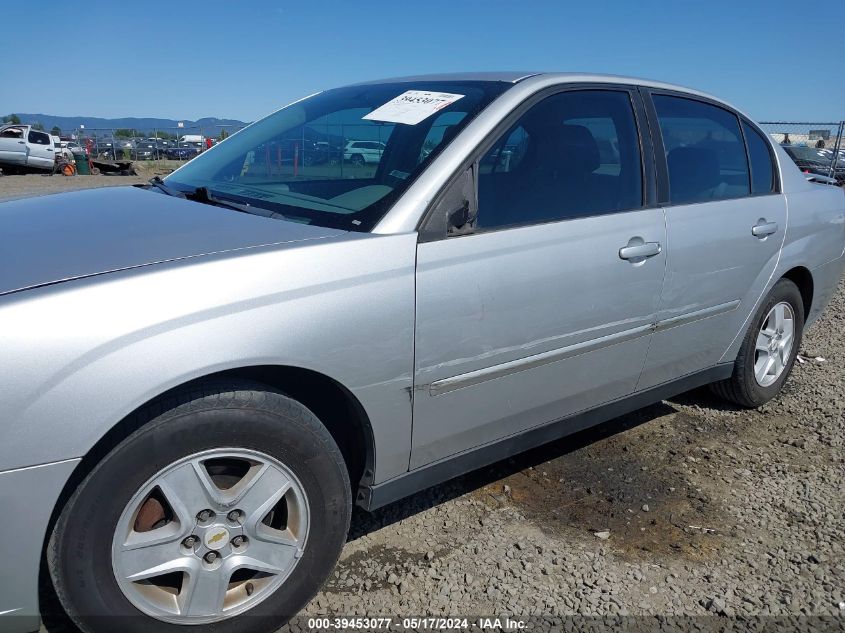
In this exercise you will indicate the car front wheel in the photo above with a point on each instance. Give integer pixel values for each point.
(229, 509)
(768, 351)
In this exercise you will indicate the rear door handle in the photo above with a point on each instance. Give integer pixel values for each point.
(640, 251)
(763, 228)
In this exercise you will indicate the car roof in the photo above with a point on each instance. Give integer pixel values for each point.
(505, 76)
(515, 77)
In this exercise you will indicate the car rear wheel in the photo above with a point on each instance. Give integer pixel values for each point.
(229, 509)
(768, 351)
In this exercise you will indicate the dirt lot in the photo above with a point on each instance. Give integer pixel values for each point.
(688, 507)
(12, 187)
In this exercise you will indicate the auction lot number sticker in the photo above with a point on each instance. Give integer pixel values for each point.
(412, 106)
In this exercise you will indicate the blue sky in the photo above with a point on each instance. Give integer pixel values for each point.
(187, 59)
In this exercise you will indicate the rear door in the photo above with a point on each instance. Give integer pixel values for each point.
(544, 306)
(41, 152)
(13, 145)
(726, 223)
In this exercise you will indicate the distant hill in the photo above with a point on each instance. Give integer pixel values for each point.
(210, 126)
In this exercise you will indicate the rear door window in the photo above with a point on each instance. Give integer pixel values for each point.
(705, 154)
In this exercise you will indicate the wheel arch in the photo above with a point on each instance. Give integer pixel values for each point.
(340, 411)
(333, 404)
(803, 278)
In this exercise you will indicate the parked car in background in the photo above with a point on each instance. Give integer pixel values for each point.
(160, 142)
(812, 160)
(322, 153)
(202, 376)
(73, 146)
(69, 148)
(23, 147)
(363, 152)
(60, 149)
(145, 150)
(182, 152)
(106, 148)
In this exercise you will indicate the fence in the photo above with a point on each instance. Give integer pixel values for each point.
(816, 147)
(177, 144)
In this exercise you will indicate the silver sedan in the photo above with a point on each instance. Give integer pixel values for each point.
(202, 375)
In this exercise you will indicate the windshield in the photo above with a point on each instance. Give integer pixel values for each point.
(320, 161)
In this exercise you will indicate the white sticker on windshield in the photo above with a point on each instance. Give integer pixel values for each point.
(412, 106)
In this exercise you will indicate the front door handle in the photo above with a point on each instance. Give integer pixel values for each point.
(763, 228)
(640, 251)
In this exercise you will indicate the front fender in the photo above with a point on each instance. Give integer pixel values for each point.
(82, 355)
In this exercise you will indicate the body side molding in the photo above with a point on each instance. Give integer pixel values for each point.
(453, 383)
(373, 497)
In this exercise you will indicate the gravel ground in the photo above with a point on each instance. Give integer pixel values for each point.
(688, 507)
(12, 187)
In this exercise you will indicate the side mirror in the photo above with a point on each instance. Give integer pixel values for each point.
(455, 212)
(459, 217)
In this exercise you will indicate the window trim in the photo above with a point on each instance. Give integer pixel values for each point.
(660, 150)
(428, 231)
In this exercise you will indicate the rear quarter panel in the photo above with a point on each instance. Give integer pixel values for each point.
(814, 239)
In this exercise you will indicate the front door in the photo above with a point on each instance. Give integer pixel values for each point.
(545, 308)
(13, 146)
(725, 225)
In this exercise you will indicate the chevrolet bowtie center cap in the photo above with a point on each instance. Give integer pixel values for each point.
(216, 538)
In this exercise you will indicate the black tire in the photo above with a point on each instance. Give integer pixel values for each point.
(742, 387)
(238, 414)
(357, 160)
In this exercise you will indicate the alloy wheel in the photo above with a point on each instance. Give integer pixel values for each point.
(774, 344)
(210, 536)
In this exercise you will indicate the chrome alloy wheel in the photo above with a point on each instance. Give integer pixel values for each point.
(774, 344)
(210, 536)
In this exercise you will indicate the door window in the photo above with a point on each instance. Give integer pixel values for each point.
(704, 151)
(574, 154)
(762, 169)
(38, 138)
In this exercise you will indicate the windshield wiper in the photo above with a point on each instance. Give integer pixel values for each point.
(202, 194)
(158, 183)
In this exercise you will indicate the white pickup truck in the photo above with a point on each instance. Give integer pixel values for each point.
(21, 146)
